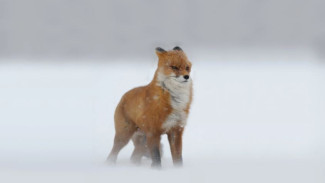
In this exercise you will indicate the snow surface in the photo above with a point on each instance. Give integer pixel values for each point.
(250, 122)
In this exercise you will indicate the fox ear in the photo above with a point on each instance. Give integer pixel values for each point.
(177, 48)
(160, 51)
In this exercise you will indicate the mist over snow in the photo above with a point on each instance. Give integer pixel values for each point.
(251, 121)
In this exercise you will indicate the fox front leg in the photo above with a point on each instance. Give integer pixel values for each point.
(153, 142)
(175, 142)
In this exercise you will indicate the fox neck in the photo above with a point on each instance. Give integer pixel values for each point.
(180, 99)
(179, 92)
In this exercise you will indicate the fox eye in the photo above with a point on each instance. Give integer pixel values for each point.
(187, 68)
(174, 68)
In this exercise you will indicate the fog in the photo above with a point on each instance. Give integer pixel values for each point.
(103, 29)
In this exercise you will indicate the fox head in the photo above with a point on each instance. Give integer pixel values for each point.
(173, 66)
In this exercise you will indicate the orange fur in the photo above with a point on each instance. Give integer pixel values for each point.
(147, 108)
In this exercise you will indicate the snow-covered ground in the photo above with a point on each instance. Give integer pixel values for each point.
(250, 122)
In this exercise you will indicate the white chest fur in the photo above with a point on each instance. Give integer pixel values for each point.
(180, 97)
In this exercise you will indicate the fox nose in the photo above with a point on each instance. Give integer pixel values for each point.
(186, 76)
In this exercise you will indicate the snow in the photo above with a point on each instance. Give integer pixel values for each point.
(250, 122)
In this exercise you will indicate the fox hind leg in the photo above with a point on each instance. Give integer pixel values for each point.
(123, 132)
(140, 147)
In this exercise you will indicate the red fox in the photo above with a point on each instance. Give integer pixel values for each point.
(161, 107)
